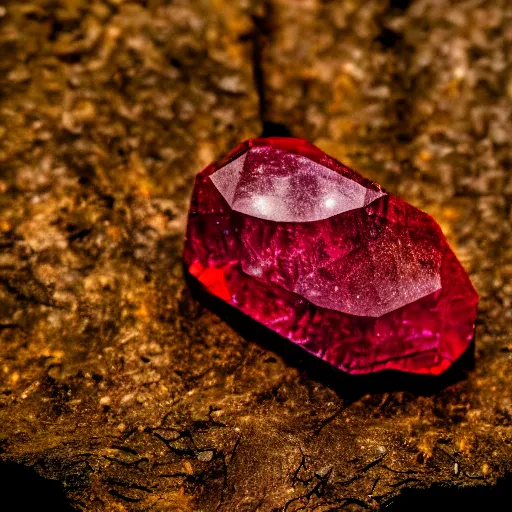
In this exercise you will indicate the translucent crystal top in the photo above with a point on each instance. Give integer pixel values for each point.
(273, 184)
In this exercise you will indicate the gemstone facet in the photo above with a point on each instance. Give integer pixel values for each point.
(326, 258)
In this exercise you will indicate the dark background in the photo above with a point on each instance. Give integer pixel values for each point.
(119, 389)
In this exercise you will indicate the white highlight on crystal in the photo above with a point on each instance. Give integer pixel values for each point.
(276, 185)
(261, 204)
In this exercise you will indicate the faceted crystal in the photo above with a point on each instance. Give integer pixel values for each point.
(327, 259)
(274, 184)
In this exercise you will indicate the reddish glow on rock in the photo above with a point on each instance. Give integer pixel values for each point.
(327, 259)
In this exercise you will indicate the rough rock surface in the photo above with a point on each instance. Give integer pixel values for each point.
(116, 382)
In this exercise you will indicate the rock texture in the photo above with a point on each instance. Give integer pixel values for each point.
(116, 381)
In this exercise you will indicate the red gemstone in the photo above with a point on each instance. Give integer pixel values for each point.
(329, 260)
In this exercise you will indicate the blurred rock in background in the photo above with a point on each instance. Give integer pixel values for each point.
(119, 390)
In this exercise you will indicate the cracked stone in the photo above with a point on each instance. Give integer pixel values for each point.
(91, 241)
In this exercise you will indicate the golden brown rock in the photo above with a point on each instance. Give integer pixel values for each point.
(116, 382)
